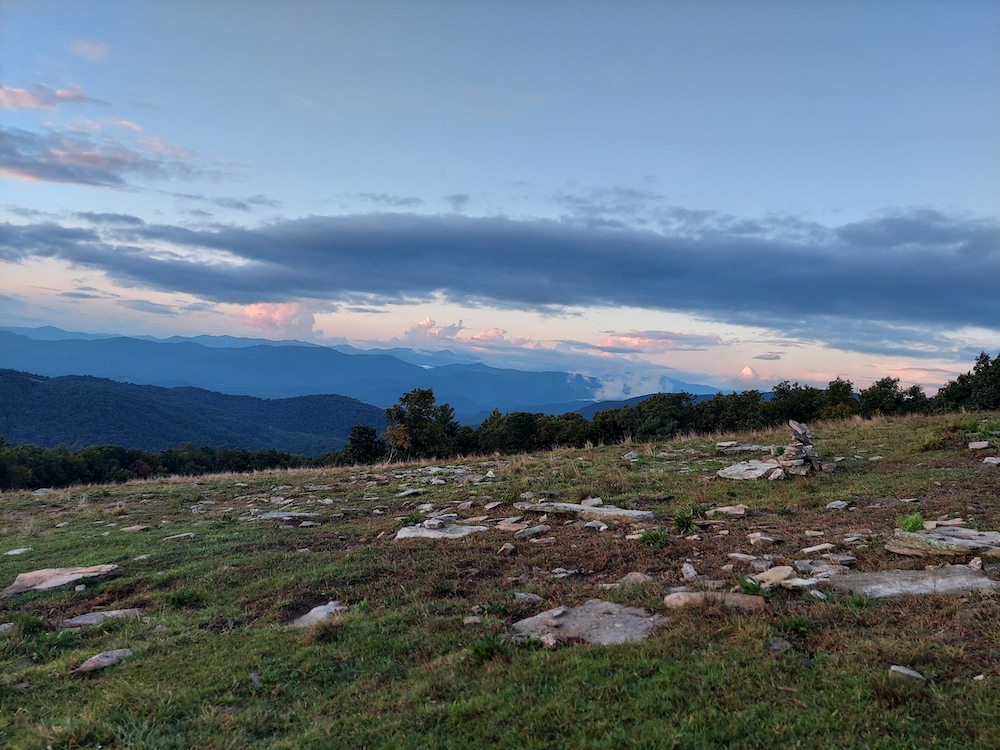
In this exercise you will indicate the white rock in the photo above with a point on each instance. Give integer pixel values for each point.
(837, 505)
(18, 551)
(451, 531)
(995, 460)
(179, 537)
(979, 445)
(105, 659)
(319, 614)
(905, 672)
(825, 547)
(688, 572)
(774, 576)
(728, 510)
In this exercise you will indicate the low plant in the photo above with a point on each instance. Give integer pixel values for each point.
(911, 522)
(684, 521)
(752, 586)
(654, 538)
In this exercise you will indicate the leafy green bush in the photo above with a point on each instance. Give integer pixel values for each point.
(654, 538)
(912, 522)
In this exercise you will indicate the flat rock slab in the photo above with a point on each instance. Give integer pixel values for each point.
(951, 579)
(96, 618)
(945, 541)
(451, 531)
(283, 514)
(585, 511)
(752, 470)
(105, 659)
(319, 614)
(54, 578)
(595, 621)
(746, 602)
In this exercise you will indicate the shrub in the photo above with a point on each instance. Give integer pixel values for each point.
(912, 522)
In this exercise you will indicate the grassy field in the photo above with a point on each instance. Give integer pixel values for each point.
(215, 664)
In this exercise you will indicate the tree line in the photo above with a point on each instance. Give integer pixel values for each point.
(419, 427)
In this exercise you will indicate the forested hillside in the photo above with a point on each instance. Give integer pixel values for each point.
(78, 411)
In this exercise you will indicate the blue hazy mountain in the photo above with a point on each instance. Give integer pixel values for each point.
(80, 411)
(268, 371)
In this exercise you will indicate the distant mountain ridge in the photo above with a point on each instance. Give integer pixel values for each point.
(81, 411)
(285, 369)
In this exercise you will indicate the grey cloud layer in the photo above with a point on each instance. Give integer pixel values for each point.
(907, 271)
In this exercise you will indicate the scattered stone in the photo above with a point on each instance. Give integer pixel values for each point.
(43, 492)
(595, 621)
(105, 659)
(591, 502)
(752, 469)
(18, 551)
(905, 673)
(472, 620)
(433, 523)
(726, 444)
(411, 492)
(995, 460)
(95, 618)
(950, 579)
(745, 602)
(543, 541)
(491, 506)
(804, 566)
(847, 560)
(815, 550)
(53, 578)
(132, 529)
(814, 534)
(976, 563)
(760, 565)
(815, 594)
(179, 537)
(450, 531)
(302, 551)
(62, 525)
(596, 525)
(758, 537)
(800, 584)
(529, 495)
(978, 445)
(507, 549)
(634, 578)
(6, 627)
(837, 505)
(945, 542)
(511, 526)
(630, 456)
(907, 499)
(741, 557)
(780, 644)
(527, 598)
(728, 510)
(532, 532)
(319, 614)
(137, 558)
(688, 572)
(79, 587)
(597, 512)
(774, 576)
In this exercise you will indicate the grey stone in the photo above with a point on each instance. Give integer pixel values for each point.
(728, 510)
(598, 512)
(433, 523)
(804, 566)
(595, 621)
(105, 659)
(532, 532)
(950, 579)
(688, 572)
(450, 531)
(411, 492)
(319, 614)
(472, 620)
(979, 445)
(995, 460)
(95, 618)
(752, 470)
(281, 515)
(179, 537)
(507, 549)
(799, 584)
(825, 547)
(746, 602)
(837, 505)
(633, 578)
(596, 525)
(906, 673)
(847, 560)
(53, 578)
(18, 551)
(760, 565)
(526, 597)
(591, 502)
(6, 627)
(945, 541)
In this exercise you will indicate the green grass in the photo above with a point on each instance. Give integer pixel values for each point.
(214, 664)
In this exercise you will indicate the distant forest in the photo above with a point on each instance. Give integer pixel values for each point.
(418, 427)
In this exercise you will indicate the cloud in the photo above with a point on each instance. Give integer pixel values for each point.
(770, 356)
(658, 341)
(458, 201)
(143, 305)
(394, 201)
(81, 159)
(868, 285)
(43, 97)
(90, 51)
(295, 319)
(429, 329)
(245, 204)
(115, 219)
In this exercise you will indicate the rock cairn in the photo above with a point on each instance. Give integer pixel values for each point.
(800, 458)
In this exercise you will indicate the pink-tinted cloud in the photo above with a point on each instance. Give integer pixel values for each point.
(43, 97)
(280, 318)
(658, 341)
(91, 51)
(429, 329)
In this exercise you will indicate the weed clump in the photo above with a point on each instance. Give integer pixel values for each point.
(912, 522)
(654, 538)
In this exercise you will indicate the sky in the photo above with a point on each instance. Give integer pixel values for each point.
(730, 193)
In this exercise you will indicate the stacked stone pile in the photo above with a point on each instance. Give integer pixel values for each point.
(800, 458)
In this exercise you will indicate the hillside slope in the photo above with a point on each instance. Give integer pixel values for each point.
(78, 411)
